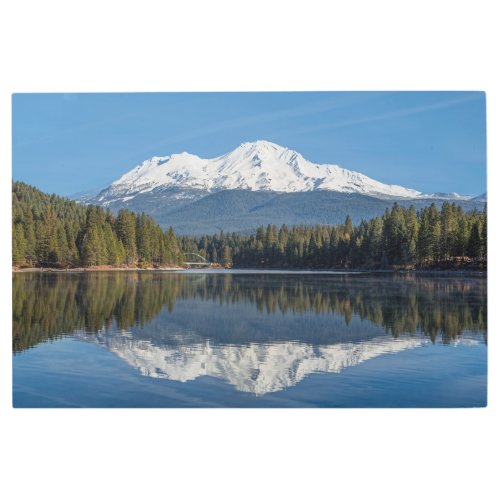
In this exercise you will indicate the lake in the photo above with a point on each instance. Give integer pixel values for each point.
(248, 339)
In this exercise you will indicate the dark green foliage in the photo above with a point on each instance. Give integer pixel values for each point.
(49, 230)
(402, 238)
(54, 231)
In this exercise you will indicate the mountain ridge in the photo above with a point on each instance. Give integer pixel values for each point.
(256, 166)
(255, 184)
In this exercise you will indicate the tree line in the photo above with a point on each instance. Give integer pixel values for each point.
(401, 237)
(49, 230)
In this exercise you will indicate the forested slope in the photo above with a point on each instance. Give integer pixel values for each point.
(402, 237)
(52, 231)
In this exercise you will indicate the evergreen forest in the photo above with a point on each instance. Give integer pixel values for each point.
(400, 238)
(52, 231)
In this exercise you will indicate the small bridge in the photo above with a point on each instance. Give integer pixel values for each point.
(203, 262)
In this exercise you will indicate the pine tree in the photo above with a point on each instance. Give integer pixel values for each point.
(48, 245)
(409, 252)
(126, 231)
(484, 230)
(474, 249)
(19, 245)
(226, 256)
(348, 228)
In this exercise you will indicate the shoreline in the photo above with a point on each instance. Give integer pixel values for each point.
(91, 269)
(422, 272)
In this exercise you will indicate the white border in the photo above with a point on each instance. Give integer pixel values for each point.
(220, 45)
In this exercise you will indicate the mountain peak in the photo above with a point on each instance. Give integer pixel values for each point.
(262, 144)
(263, 149)
(256, 166)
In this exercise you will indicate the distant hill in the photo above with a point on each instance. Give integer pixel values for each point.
(243, 210)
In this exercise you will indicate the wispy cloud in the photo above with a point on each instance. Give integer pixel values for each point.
(399, 113)
(196, 133)
(215, 128)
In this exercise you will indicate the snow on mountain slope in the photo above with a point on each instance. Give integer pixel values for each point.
(481, 197)
(255, 166)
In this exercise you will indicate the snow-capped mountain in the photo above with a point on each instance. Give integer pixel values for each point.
(255, 166)
(256, 184)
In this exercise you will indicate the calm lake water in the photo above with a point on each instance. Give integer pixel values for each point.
(229, 339)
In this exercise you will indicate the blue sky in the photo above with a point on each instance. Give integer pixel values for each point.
(429, 141)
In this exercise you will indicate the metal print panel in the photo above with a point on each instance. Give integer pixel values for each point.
(285, 249)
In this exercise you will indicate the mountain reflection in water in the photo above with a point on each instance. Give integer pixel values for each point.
(258, 332)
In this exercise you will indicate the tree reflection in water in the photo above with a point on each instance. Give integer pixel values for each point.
(49, 305)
